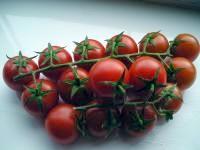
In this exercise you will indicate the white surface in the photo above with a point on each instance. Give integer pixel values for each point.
(29, 26)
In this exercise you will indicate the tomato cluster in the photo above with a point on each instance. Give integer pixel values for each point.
(122, 86)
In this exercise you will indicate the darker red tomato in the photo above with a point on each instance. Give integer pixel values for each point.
(158, 43)
(89, 49)
(39, 97)
(60, 124)
(186, 45)
(16, 65)
(60, 56)
(68, 82)
(138, 120)
(186, 73)
(145, 68)
(107, 70)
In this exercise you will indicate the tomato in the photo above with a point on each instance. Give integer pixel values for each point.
(172, 98)
(158, 43)
(39, 97)
(184, 71)
(89, 49)
(73, 88)
(146, 68)
(101, 122)
(60, 124)
(186, 45)
(138, 120)
(16, 65)
(59, 55)
(107, 70)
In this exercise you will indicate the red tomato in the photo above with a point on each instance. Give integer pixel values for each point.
(16, 65)
(99, 121)
(61, 124)
(60, 56)
(39, 97)
(173, 98)
(73, 89)
(186, 45)
(89, 49)
(186, 73)
(107, 70)
(158, 43)
(139, 120)
(145, 68)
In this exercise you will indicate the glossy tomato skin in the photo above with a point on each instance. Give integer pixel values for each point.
(147, 114)
(60, 124)
(106, 70)
(145, 67)
(187, 75)
(98, 52)
(63, 57)
(188, 47)
(10, 70)
(172, 104)
(81, 97)
(48, 101)
(159, 44)
(96, 119)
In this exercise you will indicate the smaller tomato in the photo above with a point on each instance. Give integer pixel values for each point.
(60, 124)
(138, 120)
(73, 86)
(59, 56)
(157, 43)
(181, 71)
(88, 49)
(16, 65)
(39, 97)
(101, 122)
(186, 45)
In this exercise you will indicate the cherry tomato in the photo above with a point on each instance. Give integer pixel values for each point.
(144, 69)
(158, 43)
(89, 49)
(110, 71)
(184, 71)
(59, 55)
(186, 45)
(173, 98)
(61, 124)
(138, 120)
(39, 97)
(101, 122)
(16, 65)
(73, 86)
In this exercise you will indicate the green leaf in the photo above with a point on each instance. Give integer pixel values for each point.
(74, 90)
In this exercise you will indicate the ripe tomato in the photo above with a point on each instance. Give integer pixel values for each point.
(39, 97)
(16, 65)
(89, 49)
(101, 122)
(186, 45)
(172, 98)
(60, 124)
(60, 56)
(184, 71)
(73, 86)
(158, 43)
(138, 120)
(146, 68)
(107, 70)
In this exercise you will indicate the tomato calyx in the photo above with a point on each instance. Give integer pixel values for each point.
(77, 83)
(37, 95)
(114, 43)
(172, 71)
(81, 124)
(83, 48)
(50, 54)
(174, 44)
